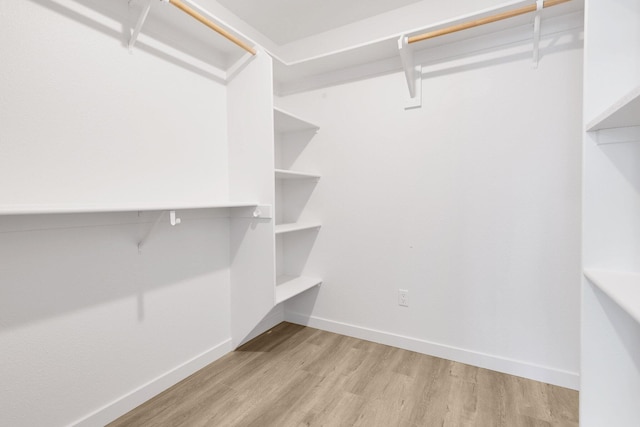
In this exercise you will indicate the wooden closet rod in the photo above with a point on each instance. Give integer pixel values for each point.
(483, 21)
(186, 9)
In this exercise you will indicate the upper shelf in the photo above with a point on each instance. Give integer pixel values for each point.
(622, 288)
(287, 122)
(623, 113)
(356, 51)
(80, 209)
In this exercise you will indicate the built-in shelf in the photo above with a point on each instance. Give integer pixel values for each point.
(286, 122)
(289, 286)
(289, 228)
(87, 208)
(623, 113)
(622, 287)
(287, 174)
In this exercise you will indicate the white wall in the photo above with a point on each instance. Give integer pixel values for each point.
(84, 318)
(83, 119)
(471, 203)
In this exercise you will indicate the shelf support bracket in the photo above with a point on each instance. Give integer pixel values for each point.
(412, 72)
(141, 19)
(536, 33)
(173, 219)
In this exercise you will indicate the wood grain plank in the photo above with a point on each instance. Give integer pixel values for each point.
(299, 376)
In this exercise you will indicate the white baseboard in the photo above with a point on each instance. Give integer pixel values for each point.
(154, 387)
(495, 363)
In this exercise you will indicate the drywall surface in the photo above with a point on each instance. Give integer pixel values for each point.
(471, 203)
(85, 319)
(88, 324)
(85, 121)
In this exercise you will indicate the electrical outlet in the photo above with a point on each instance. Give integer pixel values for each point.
(403, 297)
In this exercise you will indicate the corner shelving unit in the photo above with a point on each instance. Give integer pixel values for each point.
(294, 236)
(610, 335)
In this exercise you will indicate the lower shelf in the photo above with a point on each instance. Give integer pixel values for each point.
(289, 286)
(622, 287)
(288, 228)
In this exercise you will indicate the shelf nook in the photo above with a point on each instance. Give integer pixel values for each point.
(293, 188)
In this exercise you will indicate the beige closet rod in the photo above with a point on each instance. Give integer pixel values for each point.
(483, 21)
(186, 9)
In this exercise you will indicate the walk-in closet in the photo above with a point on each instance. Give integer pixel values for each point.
(283, 213)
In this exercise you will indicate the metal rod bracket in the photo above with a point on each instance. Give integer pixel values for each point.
(173, 219)
(412, 73)
(141, 19)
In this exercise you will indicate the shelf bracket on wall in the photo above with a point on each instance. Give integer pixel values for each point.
(412, 72)
(173, 219)
(536, 33)
(141, 19)
(253, 212)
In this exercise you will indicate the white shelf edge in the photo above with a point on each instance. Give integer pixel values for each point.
(295, 123)
(289, 174)
(625, 112)
(618, 135)
(622, 287)
(81, 209)
(289, 228)
(289, 286)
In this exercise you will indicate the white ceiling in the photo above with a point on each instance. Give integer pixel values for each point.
(284, 21)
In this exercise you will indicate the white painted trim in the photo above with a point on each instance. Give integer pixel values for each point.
(135, 398)
(482, 360)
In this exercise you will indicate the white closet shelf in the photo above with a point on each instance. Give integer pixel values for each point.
(287, 174)
(286, 122)
(625, 112)
(622, 287)
(290, 286)
(289, 228)
(79, 209)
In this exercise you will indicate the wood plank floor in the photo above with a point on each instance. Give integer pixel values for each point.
(300, 376)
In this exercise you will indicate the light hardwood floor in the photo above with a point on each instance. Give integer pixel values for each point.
(299, 376)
